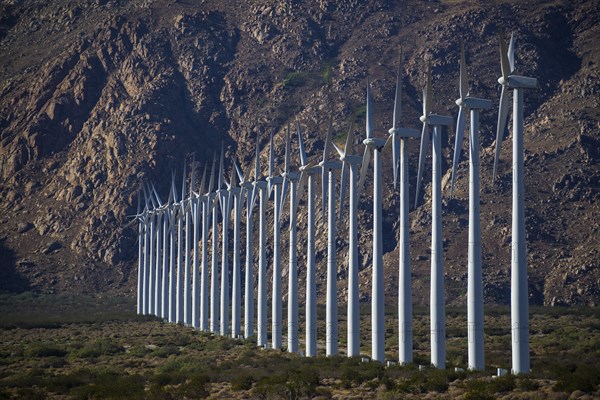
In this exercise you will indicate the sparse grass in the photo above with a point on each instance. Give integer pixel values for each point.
(105, 351)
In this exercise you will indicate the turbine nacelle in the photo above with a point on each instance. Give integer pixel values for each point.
(405, 132)
(518, 82)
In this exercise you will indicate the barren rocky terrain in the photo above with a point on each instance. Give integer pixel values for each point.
(98, 96)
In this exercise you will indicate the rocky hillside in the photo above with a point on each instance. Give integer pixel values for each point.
(98, 96)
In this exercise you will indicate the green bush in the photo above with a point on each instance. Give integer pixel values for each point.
(97, 348)
(242, 381)
(111, 384)
(165, 351)
(582, 377)
(45, 350)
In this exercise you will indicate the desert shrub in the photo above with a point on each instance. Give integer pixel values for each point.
(194, 387)
(271, 387)
(302, 383)
(582, 377)
(44, 350)
(97, 348)
(527, 384)
(53, 362)
(138, 350)
(242, 381)
(111, 384)
(165, 351)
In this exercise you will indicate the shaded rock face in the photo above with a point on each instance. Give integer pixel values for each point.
(97, 97)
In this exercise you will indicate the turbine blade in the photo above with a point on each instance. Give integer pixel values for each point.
(173, 189)
(395, 158)
(284, 193)
(156, 195)
(328, 139)
(324, 190)
(511, 52)
(239, 172)
(428, 92)
(369, 119)
(301, 187)
(184, 183)
(464, 83)
(139, 203)
(502, 117)
(211, 183)
(252, 202)
(504, 63)
(303, 157)
(151, 195)
(422, 152)
(460, 131)
(203, 180)
(146, 197)
(339, 151)
(364, 168)
(388, 141)
(398, 96)
(221, 167)
(193, 174)
(287, 150)
(343, 184)
(349, 139)
(256, 161)
(271, 162)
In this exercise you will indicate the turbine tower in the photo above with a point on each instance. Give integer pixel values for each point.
(437, 304)
(400, 137)
(275, 187)
(207, 200)
(180, 261)
(158, 269)
(308, 171)
(198, 220)
(260, 187)
(475, 279)
(226, 214)
(291, 180)
(214, 273)
(152, 256)
(351, 162)
(237, 195)
(248, 187)
(375, 145)
(187, 298)
(519, 302)
(174, 219)
(164, 311)
(141, 259)
(329, 167)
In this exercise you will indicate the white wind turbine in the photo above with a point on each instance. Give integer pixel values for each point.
(180, 251)
(400, 138)
(475, 280)
(152, 255)
(207, 200)
(166, 226)
(225, 204)
(292, 177)
(159, 238)
(197, 214)
(214, 273)
(352, 162)
(275, 187)
(140, 217)
(437, 304)
(260, 187)
(187, 298)
(237, 195)
(248, 188)
(328, 168)
(375, 145)
(308, 171)
(519, 297)
(173, 217)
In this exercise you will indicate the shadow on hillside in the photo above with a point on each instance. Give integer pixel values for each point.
(10, 279)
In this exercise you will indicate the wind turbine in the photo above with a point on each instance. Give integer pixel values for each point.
(141, 255)
(375, 146)
(152, 255)
(261, 187)
(237, 195)
(159, 236)
(519, 299)
(164, 310)
(292, 178)
(173, 208)
(328, 168)
(180, 257)
(214, 273)
(248, 187)
(186, 203)
(308, 171)
(207, 200)
(197, 212)
(226, 214)
(400, 137)
(475, 280)
(352, 162)
(275, 187)
(437, 304)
